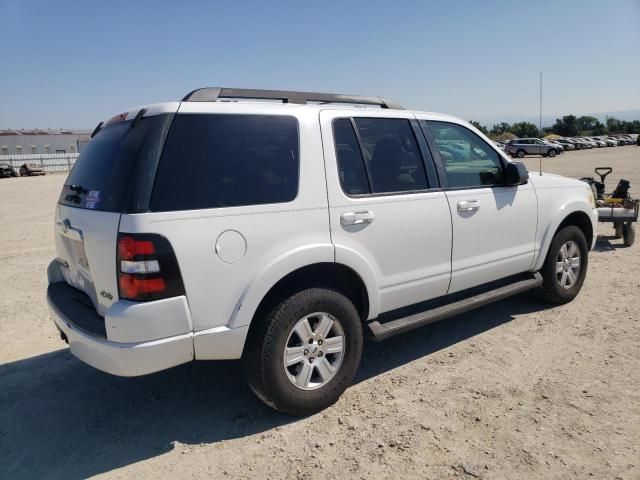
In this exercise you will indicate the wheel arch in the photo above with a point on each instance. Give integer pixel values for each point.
(325, 274)
(576, 217)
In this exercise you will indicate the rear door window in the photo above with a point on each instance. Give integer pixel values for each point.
(380, 156)
(221, 160)
(351, 168)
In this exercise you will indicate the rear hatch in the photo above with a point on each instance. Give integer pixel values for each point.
(113, 175)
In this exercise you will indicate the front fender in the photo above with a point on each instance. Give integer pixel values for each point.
(552, 225)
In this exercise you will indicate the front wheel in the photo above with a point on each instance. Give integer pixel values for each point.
(304, 355)
(552, 153)
(520, 154)
(24, 172)
(565, 267)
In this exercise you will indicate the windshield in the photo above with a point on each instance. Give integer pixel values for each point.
(115, 171)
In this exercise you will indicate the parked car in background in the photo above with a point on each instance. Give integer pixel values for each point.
(599, 143)
(559, 146)
(566, 144)
(608, 141)
(618, 141)
(584, 142)
(7, 171)
(31, 170)
(530, 146)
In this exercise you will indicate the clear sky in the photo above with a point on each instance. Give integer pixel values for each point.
(71, 64)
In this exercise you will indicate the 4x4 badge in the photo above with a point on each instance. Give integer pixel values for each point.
(106, 295)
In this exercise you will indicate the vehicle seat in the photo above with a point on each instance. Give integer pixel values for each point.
(386, 167)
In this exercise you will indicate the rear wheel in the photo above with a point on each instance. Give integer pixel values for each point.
(628, 234)
(565, 267)
(304, 355)
(618, 229)
(24, 172)
(520, 154)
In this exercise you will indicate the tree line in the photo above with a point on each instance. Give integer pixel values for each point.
(567, 126)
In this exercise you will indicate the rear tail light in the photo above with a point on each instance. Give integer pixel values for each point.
(147, 268)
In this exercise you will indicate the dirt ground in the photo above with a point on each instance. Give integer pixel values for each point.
(513, 390)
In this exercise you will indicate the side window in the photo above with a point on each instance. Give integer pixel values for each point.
(391, 154)
(219, 160)
(351, 169)
(468, 160)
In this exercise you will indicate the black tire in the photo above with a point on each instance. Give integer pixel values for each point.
(520, 153)
(552, 153)
(551, 290)
(628, 234)
(24, 172)
(617, 227)
(264, 352)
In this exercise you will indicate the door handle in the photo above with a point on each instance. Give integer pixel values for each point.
(468, 206)
(356, 218)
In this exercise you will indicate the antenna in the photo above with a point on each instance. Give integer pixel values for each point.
(540, 122)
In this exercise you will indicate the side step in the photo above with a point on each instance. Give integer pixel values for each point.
(384, 330)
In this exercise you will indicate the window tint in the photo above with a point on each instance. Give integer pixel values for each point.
(392, 155)
(111, 172)
(351, 170)
(468, 160)
(212, 161)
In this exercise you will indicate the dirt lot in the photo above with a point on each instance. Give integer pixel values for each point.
(513, 390)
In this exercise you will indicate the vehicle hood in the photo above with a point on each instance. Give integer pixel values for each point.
(551, 180)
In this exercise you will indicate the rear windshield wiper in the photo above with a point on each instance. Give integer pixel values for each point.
(79, 189)
(97, 129)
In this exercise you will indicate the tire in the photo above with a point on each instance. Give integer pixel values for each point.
(554, 289)
(552, 153)
(263, 359)
(617, 227)
(520, 154)
(628, 234)
(24, 172)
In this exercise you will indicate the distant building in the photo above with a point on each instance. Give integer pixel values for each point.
(27, 142)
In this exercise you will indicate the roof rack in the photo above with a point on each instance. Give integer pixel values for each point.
(211, 94)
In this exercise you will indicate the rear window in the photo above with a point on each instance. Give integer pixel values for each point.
(220, 160)
(114, 172)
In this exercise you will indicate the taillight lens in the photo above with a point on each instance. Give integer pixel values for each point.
(147, 268)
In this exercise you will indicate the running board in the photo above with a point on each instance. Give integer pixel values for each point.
(384, 330)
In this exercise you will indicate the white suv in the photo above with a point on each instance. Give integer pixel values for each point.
(280, 227)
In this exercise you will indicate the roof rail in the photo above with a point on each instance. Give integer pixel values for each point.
(211, 94)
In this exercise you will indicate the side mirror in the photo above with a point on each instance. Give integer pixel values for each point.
(516, 174)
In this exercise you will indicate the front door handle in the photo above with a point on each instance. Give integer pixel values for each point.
(356, 218)
(468, 206)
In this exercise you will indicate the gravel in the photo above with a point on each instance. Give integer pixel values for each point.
(512, 390)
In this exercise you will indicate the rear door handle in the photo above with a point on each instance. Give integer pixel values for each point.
(468, 206)
(356, 218)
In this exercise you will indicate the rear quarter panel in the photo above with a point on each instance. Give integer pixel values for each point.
(279, 237)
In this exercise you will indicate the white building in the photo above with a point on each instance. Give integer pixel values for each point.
(28, 142)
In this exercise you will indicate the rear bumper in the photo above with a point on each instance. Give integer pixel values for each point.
(136, 338)
(123, 359)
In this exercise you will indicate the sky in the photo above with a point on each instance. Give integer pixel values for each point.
(71, 64)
